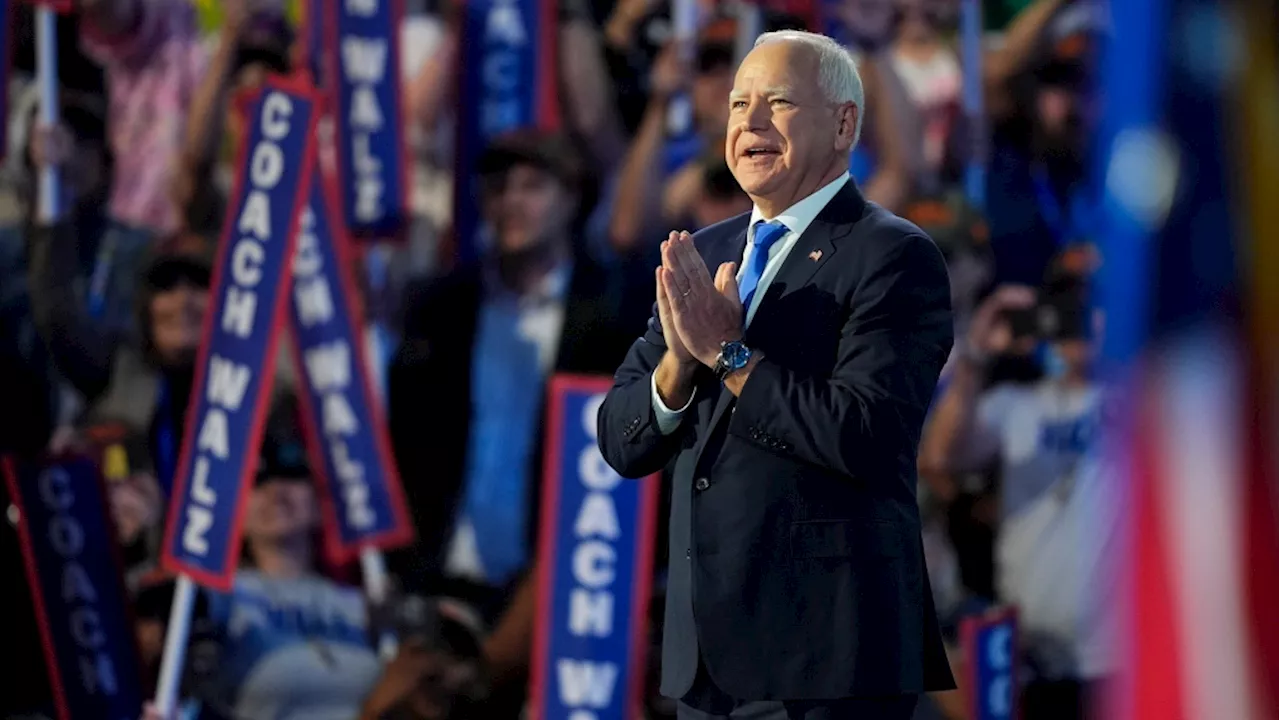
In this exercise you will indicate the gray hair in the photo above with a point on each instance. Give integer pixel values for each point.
(837, 71)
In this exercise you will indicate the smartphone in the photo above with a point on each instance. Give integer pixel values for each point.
(1024, 322)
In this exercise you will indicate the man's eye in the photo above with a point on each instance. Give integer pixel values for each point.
(736, 104)
(780, 101)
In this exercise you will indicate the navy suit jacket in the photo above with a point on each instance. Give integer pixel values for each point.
(796, 564)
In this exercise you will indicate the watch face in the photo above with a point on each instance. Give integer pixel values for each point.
(735, 355)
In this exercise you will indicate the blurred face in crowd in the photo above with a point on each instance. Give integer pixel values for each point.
(250, 77)
(710, 87)
(528, 207)
(280, 510)
(1063, 119)
(1077, 356)
(868, 23)
(784, 136)
(922, 20)
(177, 316)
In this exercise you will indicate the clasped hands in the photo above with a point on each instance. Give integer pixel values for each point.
(697, 312)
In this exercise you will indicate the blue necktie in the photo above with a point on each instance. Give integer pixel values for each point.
(766, 234)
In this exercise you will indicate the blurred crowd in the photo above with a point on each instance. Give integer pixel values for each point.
(101, 308)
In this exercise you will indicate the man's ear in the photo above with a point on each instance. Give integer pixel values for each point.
(848, 115)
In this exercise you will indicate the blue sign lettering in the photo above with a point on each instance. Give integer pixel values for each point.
(991, 649)
(77, 588)
(233, 374)
(365, 48)
(343, 420)
(597, 543)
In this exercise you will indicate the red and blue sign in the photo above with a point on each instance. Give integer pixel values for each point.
(596, 549)
(246, 314)
(990, 645)
(345, 428)
(507, 81)
(69, 550)
(364, 66)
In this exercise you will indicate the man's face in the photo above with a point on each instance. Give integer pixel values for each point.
(710, 88)
(1077, 355)
(1062, 120)
(782, 129)
(177, 316)
(527, 206)
(281, 509)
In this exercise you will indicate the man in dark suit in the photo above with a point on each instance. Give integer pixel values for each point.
(467, 385)
(797, 586)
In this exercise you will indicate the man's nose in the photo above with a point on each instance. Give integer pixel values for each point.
(758, 115)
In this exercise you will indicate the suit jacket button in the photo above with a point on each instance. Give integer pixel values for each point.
(688, 554)
(701, 484)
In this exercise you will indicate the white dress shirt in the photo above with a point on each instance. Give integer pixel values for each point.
(797, 218)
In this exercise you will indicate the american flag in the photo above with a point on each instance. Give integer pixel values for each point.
(1190, 291)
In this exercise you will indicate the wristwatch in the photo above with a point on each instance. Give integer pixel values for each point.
(734, 355)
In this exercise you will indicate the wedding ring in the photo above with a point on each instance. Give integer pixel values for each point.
(686, 293)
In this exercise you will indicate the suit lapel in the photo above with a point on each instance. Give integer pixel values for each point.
(812, 250)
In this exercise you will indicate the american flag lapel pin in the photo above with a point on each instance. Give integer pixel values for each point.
(816, 255)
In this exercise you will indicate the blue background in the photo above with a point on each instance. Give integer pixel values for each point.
(561, 642)
(225, 476)
(385, 144)
(103, 570)
(361, 447)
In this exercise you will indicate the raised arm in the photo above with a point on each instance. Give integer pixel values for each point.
(957, 438)
(82, 351)
(1001, 65)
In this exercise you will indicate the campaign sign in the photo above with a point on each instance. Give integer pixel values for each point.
(364, 53)
(346, 433)
(69, 550)
(596, 548)
(990, 645)
(506, 81)
(247, 309)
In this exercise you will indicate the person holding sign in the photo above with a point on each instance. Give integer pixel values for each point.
(786, 374)
(288, 641)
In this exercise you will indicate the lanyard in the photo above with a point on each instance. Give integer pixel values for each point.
(1076, 223)
(166, 448)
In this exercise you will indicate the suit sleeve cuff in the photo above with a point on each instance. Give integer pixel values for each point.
(667, 420)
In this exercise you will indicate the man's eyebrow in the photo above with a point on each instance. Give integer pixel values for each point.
(771, 91)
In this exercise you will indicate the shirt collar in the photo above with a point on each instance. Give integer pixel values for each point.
(551, 288)
(800, 216)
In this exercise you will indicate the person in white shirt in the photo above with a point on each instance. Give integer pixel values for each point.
(1058, 521)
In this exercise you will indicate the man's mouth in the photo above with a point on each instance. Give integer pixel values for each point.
(759, 151)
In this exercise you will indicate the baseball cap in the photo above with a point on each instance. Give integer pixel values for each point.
(549, 151)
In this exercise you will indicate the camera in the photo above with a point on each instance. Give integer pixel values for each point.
(1059, 314)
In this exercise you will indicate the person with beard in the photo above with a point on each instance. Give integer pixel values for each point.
(467, 385)
(1039, 93)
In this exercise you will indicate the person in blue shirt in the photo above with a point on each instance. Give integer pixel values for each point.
(287, 642)
(1039, 196)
